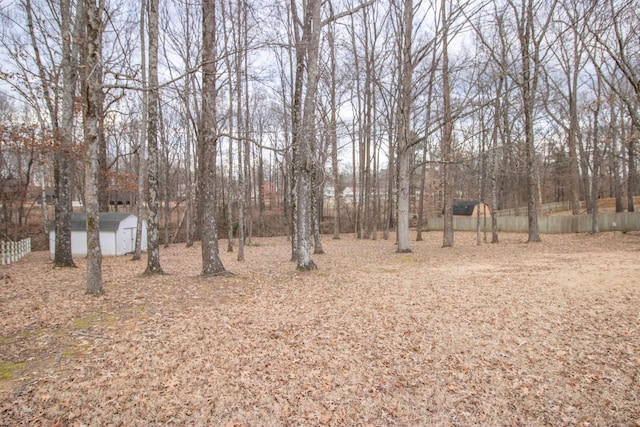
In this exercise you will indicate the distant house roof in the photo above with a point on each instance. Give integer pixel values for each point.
(464, 207)
(121, 198)
(109, 221)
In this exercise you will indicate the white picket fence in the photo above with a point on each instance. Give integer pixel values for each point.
(13, 251)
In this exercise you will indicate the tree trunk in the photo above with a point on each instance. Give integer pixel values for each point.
(63, 158)
(447, 131)
(615, 163)
(632, 175)
(574, 124)
(211, 262)
(495, 164)
(153, 227)
(528, 88)
(306, 141)
(166, 168)
(316, 213)
(92, 97)
(405, 149)
(137, 253)
(423, 179)
(333, 133)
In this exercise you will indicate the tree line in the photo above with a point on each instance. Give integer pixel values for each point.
(229, 109)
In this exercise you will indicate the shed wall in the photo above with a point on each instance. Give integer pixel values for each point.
(119, 242)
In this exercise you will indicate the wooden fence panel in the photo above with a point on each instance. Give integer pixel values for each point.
(626, 221)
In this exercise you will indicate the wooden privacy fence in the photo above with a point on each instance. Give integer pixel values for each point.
(625, 221)
(13, 251)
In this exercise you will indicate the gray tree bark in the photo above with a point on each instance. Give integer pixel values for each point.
(153, 226)
(306, 140)
(447, 132)
(333, 134)
(137, 253)
(211, 262)
(404, 127)
(91, 109)
(62, 127)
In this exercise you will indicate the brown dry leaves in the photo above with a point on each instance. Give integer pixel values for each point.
(508, 334)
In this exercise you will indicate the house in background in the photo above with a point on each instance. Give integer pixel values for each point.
(470, 208)
(117, 234)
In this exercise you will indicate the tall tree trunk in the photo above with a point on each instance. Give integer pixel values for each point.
(574, 123)
(153, 226)
(306, 141)
(357, 135)
(137, 253)
(615, 162)
(316, 211)
(405, 149)
(333, 132)
(495, 164)
(211, 262)
(166, 169)
(447, 132)
(528, 88)
(232, 186)
(242, 128)
(596, 159)
(423, 179)
(632, 175)
(103, 181)
(63, 163)
(391, 183)
(91, 99)
(249, 177)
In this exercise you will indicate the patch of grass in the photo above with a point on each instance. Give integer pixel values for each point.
(7, 369)
(98, 319)
(410, 258)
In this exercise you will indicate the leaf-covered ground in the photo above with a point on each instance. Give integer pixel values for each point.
(509, 334)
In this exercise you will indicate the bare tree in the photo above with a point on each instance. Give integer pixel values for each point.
(305, 140)
(597, 154)
(137, 254)
(153, 228)
(614, 30)
(62, 127)
(333, 128)
(571, 58)
(91, 99)
(447, 132)
(211, 262)
(530, 38)
(405, 101)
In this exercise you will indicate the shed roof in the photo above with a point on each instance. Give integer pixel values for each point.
(464, 207)
(109, 221)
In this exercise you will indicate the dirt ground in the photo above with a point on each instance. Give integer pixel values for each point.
(511, 334)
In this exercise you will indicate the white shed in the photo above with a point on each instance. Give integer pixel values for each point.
(117, 233)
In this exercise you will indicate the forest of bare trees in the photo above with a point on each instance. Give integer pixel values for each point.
(239, 118)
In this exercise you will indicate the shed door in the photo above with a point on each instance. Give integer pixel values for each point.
(129, 240)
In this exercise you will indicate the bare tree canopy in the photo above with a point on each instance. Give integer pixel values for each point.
(243, 118)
